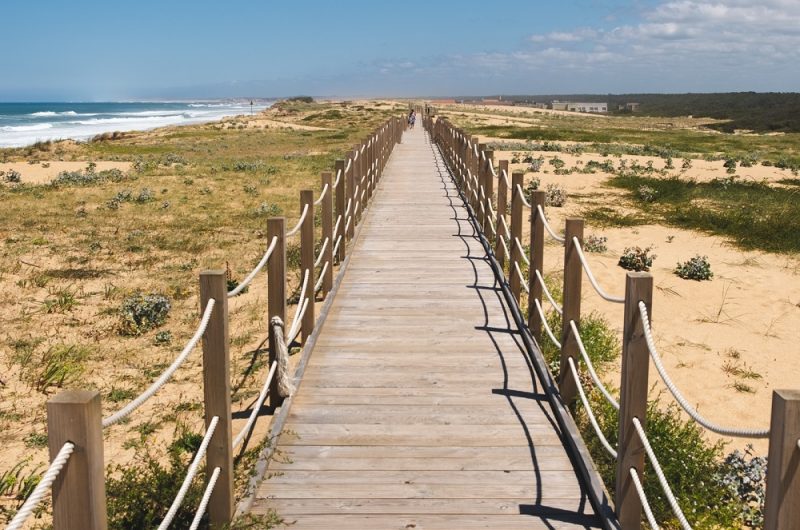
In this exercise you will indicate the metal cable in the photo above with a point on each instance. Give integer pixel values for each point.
(586, 359)
(691, 411)
(166, 374)
(244, 283)
(673, 502)
(42, 488)
(545, 324)
(588, 409)
(294, 230)
(604, 295)
(190, 474)
(642, 497)
(547, 225)
(256, 406)
(201, 509)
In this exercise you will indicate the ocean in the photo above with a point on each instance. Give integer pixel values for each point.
(23, 124)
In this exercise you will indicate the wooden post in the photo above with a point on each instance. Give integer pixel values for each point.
(502, 204)
(537, 263)
(351, 195)
(79, 492)
(516, 232)
(488, 185)
(327, 232)
(483, 196)
(633, 397)
(341, 202)
(572, 307)
(276, 295)
(217, 393)
(307, 261)
(782, 510)
(475, 181)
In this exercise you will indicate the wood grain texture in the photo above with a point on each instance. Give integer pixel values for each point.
(419, 407)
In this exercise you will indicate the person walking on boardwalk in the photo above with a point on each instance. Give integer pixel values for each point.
(412, 117)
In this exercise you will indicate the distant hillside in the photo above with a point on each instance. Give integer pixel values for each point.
(761, 112)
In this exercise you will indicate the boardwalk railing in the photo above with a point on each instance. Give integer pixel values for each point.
(472, 166)
(74, 419)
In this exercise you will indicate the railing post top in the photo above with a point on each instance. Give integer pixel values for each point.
(212, 272)
(538, 198)
(503, 164)
(277, 224)
(574, 224)
(75, 396)
(305, 194)
(327, 174)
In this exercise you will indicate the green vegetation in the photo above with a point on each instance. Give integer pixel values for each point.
(140, 313)
(56, 366)
(637, 259)
(696, 268)
(754, 215)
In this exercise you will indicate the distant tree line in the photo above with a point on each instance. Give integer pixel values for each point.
(757, 111)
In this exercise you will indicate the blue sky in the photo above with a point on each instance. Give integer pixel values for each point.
(109, 50)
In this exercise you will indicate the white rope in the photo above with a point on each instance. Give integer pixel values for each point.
(349, 204)
(201, 509)
(588, 409)
(321, 252)
(322, 194)
(691, 411)
(642, 497)
(256, 406)
(303, 289)
(294, 230)
(604, 295)
(521, 250)
(298, 322)
(347, 224)
(545, 324)
(336, 246)
(336, 226)
(522, 278)
(504, 174)
(239, 288)
(491, 226)
(547, 225)
(190, 474)
(166, 374)
(338, 176)
(522, 196)
(673, 502)
(546, 291)
(505, 247)
(41, 489)
(349, 163)
(586, 359)
(318, 285)
(505, 226)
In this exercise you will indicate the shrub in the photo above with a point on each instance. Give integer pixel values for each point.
(536, 164)
(145, 195)
(594, 243)
(13, 176)
(646, 194)
(267, 209)
(163, 338)
(687, 163)
(637, 259)
(730, 165)
(532, 186)
(55, 367)
(555, 195)
(747, 482)
(697, 268)
(77, 178)
(140, 313)
(557, 162)
(302, 99)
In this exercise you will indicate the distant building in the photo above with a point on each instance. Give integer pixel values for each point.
(559, 105)
(632, 107)
(588, 107)
(498, 101)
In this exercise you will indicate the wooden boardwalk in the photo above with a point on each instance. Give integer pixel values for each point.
(418, 407)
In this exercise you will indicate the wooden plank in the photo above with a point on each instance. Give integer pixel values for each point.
(442, 522)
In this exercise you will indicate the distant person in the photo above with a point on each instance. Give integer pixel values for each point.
(412, 118)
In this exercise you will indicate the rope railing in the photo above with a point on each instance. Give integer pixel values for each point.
(321, 195)
(190, 474)
(522, 252)
(322, 252)
(522, 197)
(318, 285)
(547, 293)
(339, 175)
(590, 366)
(589, 412)
(648, 512)
(547, 328)
(600, 291)
(673, 502)
(547, 225)
(166, 374)
(336, 246)
(299, 224)
(251, 420)
(201, 508)
(40, 491)
(521, 277)
(691, 411)
(249, 278)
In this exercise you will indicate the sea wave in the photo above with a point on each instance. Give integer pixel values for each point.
(47, 113)
(26, 128)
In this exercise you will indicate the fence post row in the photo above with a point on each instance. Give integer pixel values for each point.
(276, 296)
(502, 204)
(351, 192)
(489, 189)
(307, 261)
(516, 233)
(217, 392)
(632, 397)
(571, 308)
(537, 263)
(341, 205)
(327, 232)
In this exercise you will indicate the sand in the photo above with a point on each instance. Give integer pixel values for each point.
(745, 318)
(45, 172)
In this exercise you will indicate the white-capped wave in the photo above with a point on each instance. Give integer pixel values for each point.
(46, 113)
(26, 128)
